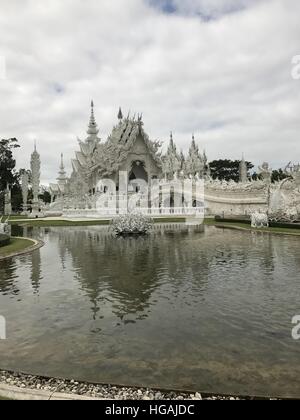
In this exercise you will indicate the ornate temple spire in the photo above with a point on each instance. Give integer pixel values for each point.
(171, 161)
(92, 128)
(194, 162)
(35, 164)
(35, 153)
(194, 145)
(62, 176)
(62, 166)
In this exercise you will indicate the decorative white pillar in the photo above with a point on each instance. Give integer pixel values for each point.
(24, 182)
(7, 201)
(35, 181)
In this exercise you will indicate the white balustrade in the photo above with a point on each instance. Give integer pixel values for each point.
(154, 211)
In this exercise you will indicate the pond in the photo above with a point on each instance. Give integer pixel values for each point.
(207, 310)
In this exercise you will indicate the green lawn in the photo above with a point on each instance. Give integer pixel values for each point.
(14, 217)
(53, 223)
(15, 245)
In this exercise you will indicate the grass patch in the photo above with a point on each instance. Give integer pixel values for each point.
(19, 217)
(62, 223)
(15, 245)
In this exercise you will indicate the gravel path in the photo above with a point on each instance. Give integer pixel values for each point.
(97, 391)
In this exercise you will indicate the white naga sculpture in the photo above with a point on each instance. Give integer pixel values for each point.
(259, 220)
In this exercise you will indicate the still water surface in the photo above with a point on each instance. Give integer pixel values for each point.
(208, 311)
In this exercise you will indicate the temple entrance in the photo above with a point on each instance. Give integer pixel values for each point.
(137, 174)
(138, 171)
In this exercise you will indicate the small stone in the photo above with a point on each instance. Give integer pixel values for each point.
(198, 396)
(158, 396)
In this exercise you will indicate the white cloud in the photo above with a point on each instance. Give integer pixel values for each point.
(228, 80)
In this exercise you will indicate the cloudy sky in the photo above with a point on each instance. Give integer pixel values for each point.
(218, 68)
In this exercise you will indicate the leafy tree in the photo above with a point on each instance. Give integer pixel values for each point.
(46, 197)
(16, 192)
(278, 175)
(16, 198)
(256, 176)
(227, 169)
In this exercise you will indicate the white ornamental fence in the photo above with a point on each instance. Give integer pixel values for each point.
(154, 212)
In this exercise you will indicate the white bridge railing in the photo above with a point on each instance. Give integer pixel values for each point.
(155, 212)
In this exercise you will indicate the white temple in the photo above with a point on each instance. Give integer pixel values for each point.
(128, 150)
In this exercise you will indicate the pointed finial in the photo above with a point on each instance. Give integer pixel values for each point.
(171, 136)
(92, 119)
(92, 127)
(62, 166)
(120, 114)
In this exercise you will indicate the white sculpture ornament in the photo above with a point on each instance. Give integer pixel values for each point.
(259, 220)
(265, 172)
(4, 227)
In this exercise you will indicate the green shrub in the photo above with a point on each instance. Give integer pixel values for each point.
(4, 240)
(285, 225)
(233, 220)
